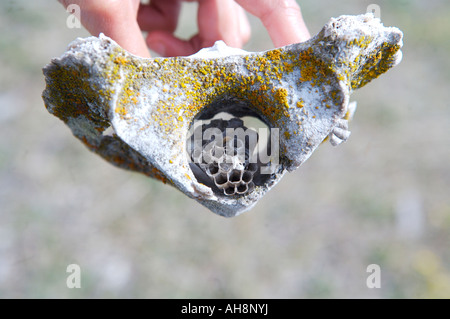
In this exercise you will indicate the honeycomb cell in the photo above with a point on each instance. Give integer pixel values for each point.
(212, 169)
(234, 144)
(208, 158)
(247, 177)
(230, 190)
(242, 188)
(235, 176)
(225, 167)
(218, 152)
(221, 180)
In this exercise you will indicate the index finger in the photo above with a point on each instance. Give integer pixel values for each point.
(282, 19)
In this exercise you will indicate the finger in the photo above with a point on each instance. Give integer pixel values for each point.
(221, 20)
(166, 44)
(244, 25)
(217, 20)
(282, 19)
(116, 19)
(159, 15)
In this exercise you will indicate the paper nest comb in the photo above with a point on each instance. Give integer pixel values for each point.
(158, 107)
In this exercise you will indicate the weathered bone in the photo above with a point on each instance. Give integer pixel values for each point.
(302, 89)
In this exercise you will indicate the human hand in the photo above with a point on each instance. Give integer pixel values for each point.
(282, 18)
(225, 20)
(124, 21)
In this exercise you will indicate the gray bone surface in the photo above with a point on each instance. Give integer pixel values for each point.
(303, 90)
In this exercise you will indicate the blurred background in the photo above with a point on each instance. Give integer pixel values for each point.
(381, 198)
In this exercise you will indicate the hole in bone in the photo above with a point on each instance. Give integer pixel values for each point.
(227, 112)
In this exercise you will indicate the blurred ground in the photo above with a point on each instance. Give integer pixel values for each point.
(381, 198)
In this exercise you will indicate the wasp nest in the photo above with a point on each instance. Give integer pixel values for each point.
(225, 153)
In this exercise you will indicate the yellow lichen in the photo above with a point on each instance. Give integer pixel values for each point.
(274, 55)
(121, 110)
(120, 60)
